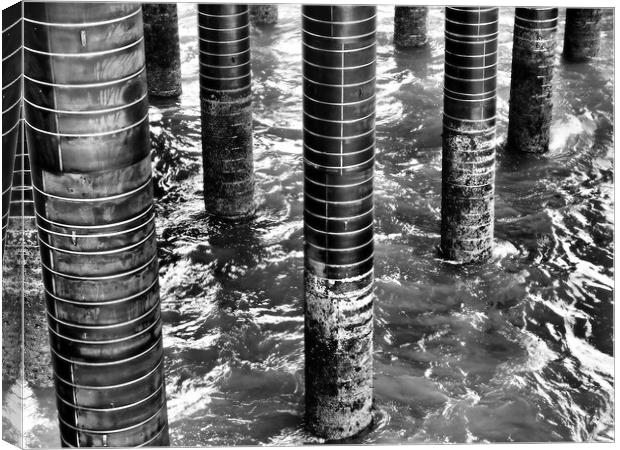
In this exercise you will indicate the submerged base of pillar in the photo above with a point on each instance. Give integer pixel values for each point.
(410, 27)
(339, 333)
(263, 14)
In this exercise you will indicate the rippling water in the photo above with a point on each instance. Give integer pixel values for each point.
(516, 349)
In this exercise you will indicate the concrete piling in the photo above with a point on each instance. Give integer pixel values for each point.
(533, 56)
(263, 14)
(582, 36)
(11, 101)
(339, 59)
(161, 44)
(468, 140)
(226, 110)
(86, 117)
(410, 26)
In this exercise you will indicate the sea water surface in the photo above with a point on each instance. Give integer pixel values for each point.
(519, 348)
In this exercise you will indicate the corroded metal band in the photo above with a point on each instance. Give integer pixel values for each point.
(533, 56)
(468, 155)
(86, 120)
(11, 105)
(339, 59)
(226, 109)
(582, 36)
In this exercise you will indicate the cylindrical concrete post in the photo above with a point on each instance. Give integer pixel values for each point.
(468, 150)
(410, 26)
(263, 14)
(582, 34)
(161, 44)
(11, 100)
(86, 115)
(226, 110)
(533, 56)
(339, 58)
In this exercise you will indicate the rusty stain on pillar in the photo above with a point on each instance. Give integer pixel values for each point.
(410, 26)
(339, 68)
(533, 57)
(226, 110)
(582, 34)
(86, 117)
(161, 44)
(468, 140)
(11, 100)
(263, 14)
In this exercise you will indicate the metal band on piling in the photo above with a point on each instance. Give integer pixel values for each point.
(86, 122)
(410, 26)
(582, 35)
(163, 55)
(468, 155)
(226, 109)
(339, 59)
(11, 102)
(533, 55)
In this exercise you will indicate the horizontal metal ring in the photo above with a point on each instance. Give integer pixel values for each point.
(79, 135)
(12, 25)
(102, 277)
(105, 327)
(339, 233)
(96, 236)
(372, 130)
(88, 85)
(537, 20)
(479, 10)
(344, 265)
(340, 249)
(473, 100)
(340, 121)
(333, 202)
(104, 303)
(224, 42)
(89, 112)
(552, 29)
(329, 22)
(86, 54)
(107, 225)
(471, 56)
(223, 15)
(224, 54)
(8, 85)
(86, 24)
(471, 68)
(114, 408)
(11, 54)
(338, 167)
(352, 50)
(489, 41)
(101, 252)
(339, 154)
(337, 38)
(491, 93)
(339, 185)
(470, 79)
(365, 213)
(224, 29)
(12, 106)
(339, 68)
(468, 120)
(225, 78)
(108, 363)
(11, 129)
(481, 24)
(339, 85)
(372, 97)
(98, 199)
(225, 67)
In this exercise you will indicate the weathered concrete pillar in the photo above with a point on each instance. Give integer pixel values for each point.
(468, 165)
(410, 26)
(339, 58)
(11, 100)
(86, 115)
(533, 56)
(163, 55)
(226, 110)
(263, 14)
(582, 35)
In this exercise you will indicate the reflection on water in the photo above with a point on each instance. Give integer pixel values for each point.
(516, 349)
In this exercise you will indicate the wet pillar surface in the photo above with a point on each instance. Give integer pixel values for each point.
(410, 26)
(582, 36)
(263, 14)
(533, 57)
(86, 121)
(468, 140)
(339, 54)
(163, 54)
(11, 101)
(226, 110)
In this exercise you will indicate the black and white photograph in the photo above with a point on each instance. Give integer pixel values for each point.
(297, 224)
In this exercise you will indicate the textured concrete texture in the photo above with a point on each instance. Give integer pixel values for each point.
(533, 61)
(410, 26)
(263, 14)
(161, 45)
(582, 36)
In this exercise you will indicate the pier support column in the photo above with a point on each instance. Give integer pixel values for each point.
(263, 14)
(582, 35)
(86, 117)
(11, 100)
(533, 56)
(226, 110)
(468, 150)
(339, 54)
(410, 26)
